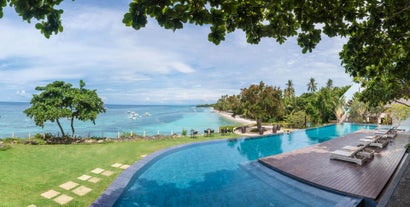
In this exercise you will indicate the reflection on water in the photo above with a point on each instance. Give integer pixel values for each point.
(256, 148)
(329, 132)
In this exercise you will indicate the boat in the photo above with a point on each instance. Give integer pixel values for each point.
(133, 115)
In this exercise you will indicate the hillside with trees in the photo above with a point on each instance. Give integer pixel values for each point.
(270, 104)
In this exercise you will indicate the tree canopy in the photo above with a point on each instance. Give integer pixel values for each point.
(376, 53)
(399, 113)
(312, 85)
(60, 100)
(46, 13)
(260, 102)
(265, 103)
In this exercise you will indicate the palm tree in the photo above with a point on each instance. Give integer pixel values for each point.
(329, 84)
(312, 85)
(289, 91)
(289, 97)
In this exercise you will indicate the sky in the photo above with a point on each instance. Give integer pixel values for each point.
(152, 65)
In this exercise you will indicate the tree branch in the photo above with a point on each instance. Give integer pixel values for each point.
(399, 12)
(400, 102)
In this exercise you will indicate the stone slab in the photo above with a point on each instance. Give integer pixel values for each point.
(97, 170)
(63, 199)
(82, 190)
(84, 177)
(124, 166)
(50, 194)
(32, 205)
(94, 180)
(69, 185)
(107, 173)
(117, 165)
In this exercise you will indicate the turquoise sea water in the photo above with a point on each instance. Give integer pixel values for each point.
(218, 174)
(118, 118)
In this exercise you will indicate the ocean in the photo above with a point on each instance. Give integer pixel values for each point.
(118, 119)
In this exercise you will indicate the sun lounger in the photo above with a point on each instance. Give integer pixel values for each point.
(373, 141)
(358, 155)
(348, 156)
(390, 133)
(361, 150)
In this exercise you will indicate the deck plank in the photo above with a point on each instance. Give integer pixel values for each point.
(313, 165)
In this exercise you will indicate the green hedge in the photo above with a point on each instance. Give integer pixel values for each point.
(229, 128)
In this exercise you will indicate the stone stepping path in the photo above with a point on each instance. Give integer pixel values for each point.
(69, 185)
(97, 170)
(94, 180)
(119, 165)
(107, 173)
(63, 199)
(89, 178)
(76, 188)
(50, 194)
(82, 190)
(84, 177)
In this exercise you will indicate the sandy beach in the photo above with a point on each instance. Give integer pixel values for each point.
(236, 118)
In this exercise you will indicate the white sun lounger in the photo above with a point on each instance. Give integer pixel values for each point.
(390, 133)
(348, 156)
(361, 150)
(353, 154)
(373, 142)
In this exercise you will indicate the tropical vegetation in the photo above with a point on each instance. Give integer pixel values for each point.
(399, 112)
(271, 105)
(265, 103)
(59, 100)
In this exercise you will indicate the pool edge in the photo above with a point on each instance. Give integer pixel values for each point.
(116, 188)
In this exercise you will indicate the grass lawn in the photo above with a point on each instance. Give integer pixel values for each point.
(26, 171)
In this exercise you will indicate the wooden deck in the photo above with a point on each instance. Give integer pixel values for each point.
(313, 165)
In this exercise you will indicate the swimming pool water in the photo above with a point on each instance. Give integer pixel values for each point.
(219, 174)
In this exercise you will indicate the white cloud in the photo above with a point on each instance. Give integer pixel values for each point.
(181, 67)
(152, 65)
(21, 92)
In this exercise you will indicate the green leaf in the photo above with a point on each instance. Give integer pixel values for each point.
(39, 26)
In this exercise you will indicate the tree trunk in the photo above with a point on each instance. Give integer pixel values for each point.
(61, 128)
(259, 125)
(72, 127)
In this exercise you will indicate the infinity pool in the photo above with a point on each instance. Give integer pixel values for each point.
(226, 173)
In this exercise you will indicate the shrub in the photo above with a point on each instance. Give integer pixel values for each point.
(44, 136)
(4, 147)
(184, 132)
(40, 141)
(296, 119)
(127, 134)
(228, 128)
(12, 140)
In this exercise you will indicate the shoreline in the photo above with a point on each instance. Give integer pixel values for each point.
(237, 119)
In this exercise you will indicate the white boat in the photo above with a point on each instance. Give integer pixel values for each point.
(133, 115)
